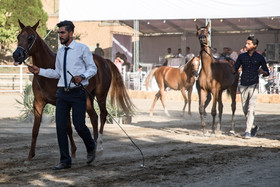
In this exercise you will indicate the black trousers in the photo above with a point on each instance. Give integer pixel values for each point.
(74, 99)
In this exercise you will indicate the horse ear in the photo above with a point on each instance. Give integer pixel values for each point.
(36, 25)
(21, 24)
(207, 27)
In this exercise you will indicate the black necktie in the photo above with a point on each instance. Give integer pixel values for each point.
(64, 67)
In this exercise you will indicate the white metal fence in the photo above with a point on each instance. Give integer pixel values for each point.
(15, 80)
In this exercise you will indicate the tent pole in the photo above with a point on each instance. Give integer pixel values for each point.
(210, 29)
(136, 46)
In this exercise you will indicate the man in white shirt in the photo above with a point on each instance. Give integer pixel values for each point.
(77, 59)
(232, 54)
(189, 54)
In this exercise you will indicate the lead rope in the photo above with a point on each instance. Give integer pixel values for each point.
(143, 164)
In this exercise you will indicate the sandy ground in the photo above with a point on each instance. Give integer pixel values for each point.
(175, 152)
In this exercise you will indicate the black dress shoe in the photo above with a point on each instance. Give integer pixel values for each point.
(61, 166)
(91, 156)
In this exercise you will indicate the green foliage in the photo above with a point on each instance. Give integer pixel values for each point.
(52, 40)
(7, 32)
(28, 12)
(27, 104)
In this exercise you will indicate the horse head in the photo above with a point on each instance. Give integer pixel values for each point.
(195, 65)
(26, 40)
(202, 34)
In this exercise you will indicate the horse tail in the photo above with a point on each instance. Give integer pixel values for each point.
(149, 78)
(118, 94)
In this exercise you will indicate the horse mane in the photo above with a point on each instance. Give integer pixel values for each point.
(187, 66)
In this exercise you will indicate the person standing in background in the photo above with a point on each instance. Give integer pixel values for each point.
(189, 54)
(99, 51)
(167, 56)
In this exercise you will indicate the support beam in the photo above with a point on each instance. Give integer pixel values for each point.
(136, 46)
(210, 29)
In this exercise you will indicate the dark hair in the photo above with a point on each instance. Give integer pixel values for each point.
(254, 40)
(69, 26)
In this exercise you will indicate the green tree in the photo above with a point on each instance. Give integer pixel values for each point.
(7, 33)
(28, 12)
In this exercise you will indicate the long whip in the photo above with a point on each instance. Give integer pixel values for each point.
(143, 164)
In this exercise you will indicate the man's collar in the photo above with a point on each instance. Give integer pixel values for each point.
(72, 44)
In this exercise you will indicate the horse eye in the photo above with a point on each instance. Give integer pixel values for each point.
(30, 38)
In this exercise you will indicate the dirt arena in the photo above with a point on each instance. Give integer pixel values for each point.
(175, 152)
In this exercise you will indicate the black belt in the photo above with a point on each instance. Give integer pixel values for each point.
(70, 89)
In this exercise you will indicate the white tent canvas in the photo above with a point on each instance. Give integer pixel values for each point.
(93, 10)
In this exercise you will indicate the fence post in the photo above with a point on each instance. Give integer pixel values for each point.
(20, 79)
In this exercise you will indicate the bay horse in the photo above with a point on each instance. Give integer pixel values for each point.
(44, 89)
(215, 77)
(182, 79)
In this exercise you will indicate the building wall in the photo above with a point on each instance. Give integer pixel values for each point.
(91, 32)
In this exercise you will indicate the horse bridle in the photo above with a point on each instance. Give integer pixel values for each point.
(205, 45)
(26, 51)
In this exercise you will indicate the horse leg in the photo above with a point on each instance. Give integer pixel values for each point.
(154, 103)
(163, 100)
(38, 107)
(93, 118)
(190, 99)
(233, 108)
(103, 115)
(214, 110)
(185, 100)
(71, 139)
(208, 99)
(220, 104)
(201, 109)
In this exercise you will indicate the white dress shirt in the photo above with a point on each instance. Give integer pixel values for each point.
(79, 61)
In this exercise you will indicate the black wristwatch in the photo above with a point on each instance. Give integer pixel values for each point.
(83, 76)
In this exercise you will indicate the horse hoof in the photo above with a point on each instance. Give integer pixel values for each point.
(232, 132)
(206, 133)
(27, 162)
(213, 135)
(99, 151)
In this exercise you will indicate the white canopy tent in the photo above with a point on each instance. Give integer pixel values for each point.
(93, 10)
(96, 10)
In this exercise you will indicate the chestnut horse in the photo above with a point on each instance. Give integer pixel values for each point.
(44, 89)
(214, 77)
(181, 78)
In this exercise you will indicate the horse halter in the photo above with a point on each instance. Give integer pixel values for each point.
(204, 37)
(26, 51)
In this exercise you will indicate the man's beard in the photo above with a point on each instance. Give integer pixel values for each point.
(65, 41)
